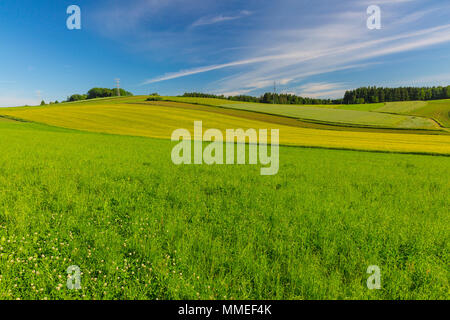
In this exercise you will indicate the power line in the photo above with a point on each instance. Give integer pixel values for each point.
(39, 94)
(274, 91)
(118, 86)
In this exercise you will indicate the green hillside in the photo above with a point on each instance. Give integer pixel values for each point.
(324, 115)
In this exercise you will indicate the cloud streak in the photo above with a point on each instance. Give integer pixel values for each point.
(220, 18)
(321, 89)
(353, 52)
(277, 46)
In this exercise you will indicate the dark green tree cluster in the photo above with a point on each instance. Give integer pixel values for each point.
(154, 98)
(268, 97)
(245, 98)
(357, 96)
(77, 97)
(375, 95)
(203, 95)
(98, 93)
(283, 98)
(105, 92)
(43, 103)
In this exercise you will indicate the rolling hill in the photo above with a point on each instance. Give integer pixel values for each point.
(416, 115)
(438, 110)
(137, 117)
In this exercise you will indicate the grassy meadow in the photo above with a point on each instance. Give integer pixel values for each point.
(92, 184)
(140, 227)
(342, 116)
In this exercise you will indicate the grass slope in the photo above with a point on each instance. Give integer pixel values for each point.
(159, 120)
(340, 115)
(405, 107)
(140, 227)
(439, 110)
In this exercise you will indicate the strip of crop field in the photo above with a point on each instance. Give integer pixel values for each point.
(358, 107)
(160, 121)
(404, 107)
(439, 110)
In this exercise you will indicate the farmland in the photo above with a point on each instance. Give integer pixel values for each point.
(438, 110)
(401, 115)
(136, 117)
(140, 227)
(92, 184)
(342, 116)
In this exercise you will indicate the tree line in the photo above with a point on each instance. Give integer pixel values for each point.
(358, 96)
(375, 95)
(267, 97)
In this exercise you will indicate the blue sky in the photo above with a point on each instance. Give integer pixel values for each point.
(315, 48)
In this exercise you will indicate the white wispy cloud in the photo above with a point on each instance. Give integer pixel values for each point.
(338, 44)
(290, 52)
(340, 54)
(321, 89)
(319, 86)
(184, 73)
(203, 21)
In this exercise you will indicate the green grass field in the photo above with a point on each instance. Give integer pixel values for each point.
(438, 110)
(405, 107)
(342, 116)
(351, 115)
(357, 107)
(140, 227)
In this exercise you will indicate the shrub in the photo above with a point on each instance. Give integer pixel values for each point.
(154, 98)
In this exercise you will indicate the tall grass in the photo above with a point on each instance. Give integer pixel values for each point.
(140, 227)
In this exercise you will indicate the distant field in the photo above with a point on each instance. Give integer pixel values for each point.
(140, 227)
(204, 101)
(158, 121)
(405, 107)
(338, 115)
(439, 110)
(341, 116)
